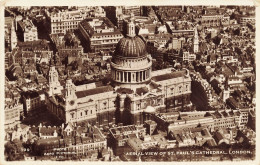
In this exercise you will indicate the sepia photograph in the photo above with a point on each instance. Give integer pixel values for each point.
(120, 83)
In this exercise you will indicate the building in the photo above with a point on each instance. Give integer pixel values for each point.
(176, 43)
(247, 19)
(134, 95)
(176, 86)
(144, 25)
(28, 29)
(211, 20)
(68, 47)
(251, 119)
(157, 41)
(119, 14)
(9, 21)
(150, 126)
(34, 46)
(182, 33)
(68, 140)
(213, 120)
(193, 137)
(12, 113)
(33, 100)
(188, 57)
(122, 11)
(48, 132)
(100, 33)
(136, 10)
(68, 20)
(121, 134)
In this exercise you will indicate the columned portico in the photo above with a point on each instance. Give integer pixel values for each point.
(131, 76)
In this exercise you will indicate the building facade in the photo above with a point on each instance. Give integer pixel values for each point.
(12, 113)
(28, 29)
(100, 34)
(63, 21)
(33, 100)
(245, 20)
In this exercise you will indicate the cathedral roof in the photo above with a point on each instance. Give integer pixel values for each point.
(142, 90)
(94, 91)
(169, 76)
(131, 47)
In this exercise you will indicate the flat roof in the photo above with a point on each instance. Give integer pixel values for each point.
(94, 91)
(169, 76)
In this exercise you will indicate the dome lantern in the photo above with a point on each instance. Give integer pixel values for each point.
(131, 27)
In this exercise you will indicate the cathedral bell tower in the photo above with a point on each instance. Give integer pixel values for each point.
(54, 84)
(71, 98)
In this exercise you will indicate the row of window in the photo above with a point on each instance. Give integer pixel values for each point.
(105, 41)
(108, 36)
(152, 102)
(67, 23)
(65, 27)
(180, 89)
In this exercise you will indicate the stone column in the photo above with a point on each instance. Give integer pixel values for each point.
(113, 74)
(119, 75)
(129, 76)
(123, 74)
(133, 76)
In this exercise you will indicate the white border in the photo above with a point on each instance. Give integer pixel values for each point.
(118, 3)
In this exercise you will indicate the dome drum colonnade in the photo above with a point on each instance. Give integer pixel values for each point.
(130, 63)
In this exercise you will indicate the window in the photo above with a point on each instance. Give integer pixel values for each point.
(105, 105)
(138, 106)
(180, 89)
(86, 112)
(172, 91)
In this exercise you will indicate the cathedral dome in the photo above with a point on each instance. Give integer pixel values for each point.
(131, 47)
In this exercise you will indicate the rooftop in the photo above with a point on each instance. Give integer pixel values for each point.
(169, 75)
(94, 91)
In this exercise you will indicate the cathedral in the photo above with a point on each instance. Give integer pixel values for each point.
(133, 96)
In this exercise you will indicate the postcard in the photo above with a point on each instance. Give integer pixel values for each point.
(129, 82)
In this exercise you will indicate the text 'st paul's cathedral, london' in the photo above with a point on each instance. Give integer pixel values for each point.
(134, 94)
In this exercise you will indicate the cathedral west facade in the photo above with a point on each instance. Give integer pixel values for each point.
(135, 94)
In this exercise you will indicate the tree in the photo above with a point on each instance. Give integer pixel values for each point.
(233, 16)
(216, 40)
(236, 32)
(198, 57)
(12, 151)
